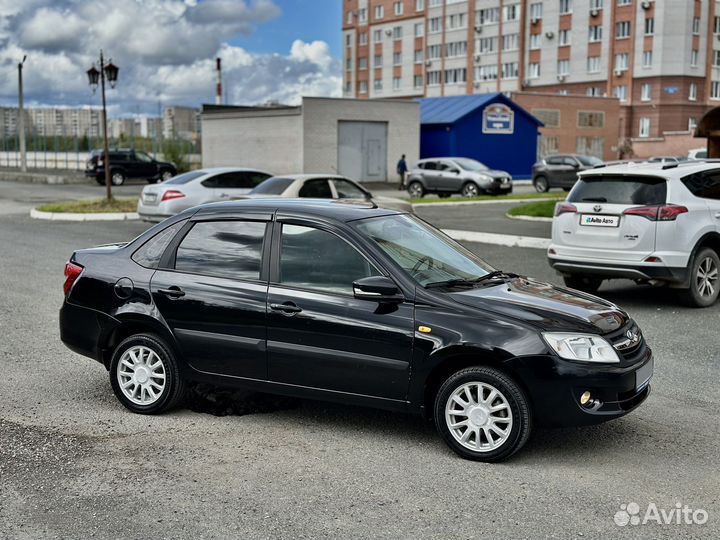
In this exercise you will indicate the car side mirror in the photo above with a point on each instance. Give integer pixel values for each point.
(377, 289)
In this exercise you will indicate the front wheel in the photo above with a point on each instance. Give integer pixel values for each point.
(582, 283)
(482, 414)
(704, 279)
(541, 184)
(416, 190)
(470, 189)
(144, 375)
(166, 175)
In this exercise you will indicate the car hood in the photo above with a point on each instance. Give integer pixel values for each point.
(493, 173)
(546, 306)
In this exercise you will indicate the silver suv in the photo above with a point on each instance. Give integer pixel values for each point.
(650, 222)
(466, 176)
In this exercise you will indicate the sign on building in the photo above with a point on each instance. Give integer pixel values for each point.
(498, 118)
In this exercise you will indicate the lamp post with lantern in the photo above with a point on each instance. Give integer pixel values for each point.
(107, 71)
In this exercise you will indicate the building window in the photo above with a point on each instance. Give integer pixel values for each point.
(362, 16)
(692, 92)
(417, 81)
(624, 2)
(593, 91)
(563, 38)
(549, 117)
(696, 26)
(397, 59)
(457, 20)
(396, 83)
(534, 71)
(536, 11)
(510, 70)
(622, 61)
(563, 68)
(349, 17)
(591, 119)
(434, 51)
(645, 92)
(535, 41)
(455, 76)
(595, 33)
(348, 40)
(716, 59)
(620, 92)
(435, 25)
(363, 38)
(377, 84)
(647, 59)
(486, 73)
(398, 8)
(348, 87)
(419, 56)
(593, 64)
(596, 4)
(487, 16)
(379, 11)
(717, 25)
(565, 7)
(363, 87)
(419, 29)
(377, 36)
(510, 42)
(715, 90)
(649, 26)
(693, 58)
(549, 146)
(419, 6)
(433, 78)
(435, 3)
(644, 127)
(377, 61)
(348, 64)
(692, 124)
(622, 29)
(511, 12)
(485, 45)
(397, 33)
(362, 63)
(456, 48)
(590, 146)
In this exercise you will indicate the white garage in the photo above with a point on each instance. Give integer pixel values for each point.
(360, 139)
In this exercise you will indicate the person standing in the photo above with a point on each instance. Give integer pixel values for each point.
(402, 169)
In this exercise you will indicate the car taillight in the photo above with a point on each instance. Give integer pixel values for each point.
(666, 212)
(72, 272)
(171, 194)
(565, 208)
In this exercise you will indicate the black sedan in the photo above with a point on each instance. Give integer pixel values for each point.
(353, 303)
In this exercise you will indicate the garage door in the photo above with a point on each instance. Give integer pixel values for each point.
(362, 150)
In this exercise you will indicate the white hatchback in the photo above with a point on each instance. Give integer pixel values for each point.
(652, 223)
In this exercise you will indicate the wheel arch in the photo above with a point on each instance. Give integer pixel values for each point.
(708, 240)
(128, 326)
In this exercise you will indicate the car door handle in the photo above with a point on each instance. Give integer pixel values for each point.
(224, 196)
(172, 292)
(288, 308)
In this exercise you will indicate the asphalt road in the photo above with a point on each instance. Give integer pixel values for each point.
(75, 464)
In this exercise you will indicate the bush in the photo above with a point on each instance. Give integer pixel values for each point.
(176, 152)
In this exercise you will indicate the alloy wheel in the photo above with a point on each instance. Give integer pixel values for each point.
(166, 175)
(416, 190)
(141, 375)
(470, 190)
(478, 416)
(117, 179)
(707, 277)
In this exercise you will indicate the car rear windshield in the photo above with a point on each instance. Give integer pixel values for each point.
(185, 178)
(620, 189)
(273, 186)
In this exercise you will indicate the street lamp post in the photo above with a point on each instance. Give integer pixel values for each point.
(107, 71)
(21, 117)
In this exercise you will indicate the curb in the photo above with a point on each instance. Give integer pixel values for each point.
(530, 218)
(507, 240)
(68, 216)
(506, 201)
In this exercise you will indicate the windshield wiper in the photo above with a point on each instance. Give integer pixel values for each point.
(594, 199)
(450, 283)
(495, 274)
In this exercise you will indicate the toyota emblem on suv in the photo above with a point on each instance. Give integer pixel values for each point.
(597, 208)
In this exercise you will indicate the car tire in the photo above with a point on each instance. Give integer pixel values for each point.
(541, 184)
(484, 435)
(416, 189)
(704, 282)
(117, 178)
(145, 376)
(470, 189)
(166, 175)
(583, 283)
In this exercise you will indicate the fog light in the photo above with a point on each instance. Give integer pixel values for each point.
(585, 398)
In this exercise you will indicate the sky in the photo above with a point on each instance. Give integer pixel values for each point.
(272, 50)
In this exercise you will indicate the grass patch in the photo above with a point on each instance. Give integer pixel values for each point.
(535, 209)
(93, 206)
(499, 198)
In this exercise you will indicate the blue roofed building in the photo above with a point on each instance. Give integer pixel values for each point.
(490, 128)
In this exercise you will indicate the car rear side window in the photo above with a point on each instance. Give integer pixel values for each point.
(151, 252)
(184, 178)
(620, 189)
(704, 184)
(222, 248)
(273, 186)
(317, 189)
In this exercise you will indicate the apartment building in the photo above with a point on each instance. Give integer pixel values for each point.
(181, 122)
(660, 58)
(49, 122)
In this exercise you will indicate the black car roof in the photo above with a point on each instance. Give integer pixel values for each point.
(338, 210)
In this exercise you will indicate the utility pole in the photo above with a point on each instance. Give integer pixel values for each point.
(21, 117)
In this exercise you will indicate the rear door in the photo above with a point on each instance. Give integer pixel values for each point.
(600, 228)
(571, 166)
(558, 171)
(706, 186)
(211, 289)
(449, 177)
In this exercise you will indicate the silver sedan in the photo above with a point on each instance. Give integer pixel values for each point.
(322, 186)
(184, 191)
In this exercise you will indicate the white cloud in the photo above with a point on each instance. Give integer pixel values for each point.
(166, 51)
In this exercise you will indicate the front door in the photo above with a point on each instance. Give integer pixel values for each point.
(143, 165)
(319, 335)
(212, 294)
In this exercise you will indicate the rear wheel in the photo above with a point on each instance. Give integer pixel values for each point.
(541, 184)
(416, 189)
(482, 414)
(166, 175)
(704, 279)
(470, 189)
(117, 178)
(144, 375)
(582, 283)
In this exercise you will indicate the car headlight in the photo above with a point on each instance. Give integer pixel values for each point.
(581, 347)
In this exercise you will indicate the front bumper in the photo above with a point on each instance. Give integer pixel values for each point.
(555, 385)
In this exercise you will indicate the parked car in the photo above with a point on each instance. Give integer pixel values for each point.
(348, 302)
(322, 186)
(561, 171)
(171, 197)
(126, 164)
(653, 223)
(446, 176)
(667, 159)
(697, 153)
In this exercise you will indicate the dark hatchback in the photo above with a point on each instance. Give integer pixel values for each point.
(350, 303)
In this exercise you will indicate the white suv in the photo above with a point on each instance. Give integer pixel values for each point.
(653, 223)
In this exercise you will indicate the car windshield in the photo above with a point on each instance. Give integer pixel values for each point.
(619, 189)
(424, 253)
(272, 186)
(470, 164)
(184, 178)
(589, 161)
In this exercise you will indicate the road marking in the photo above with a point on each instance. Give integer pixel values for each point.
(68, 216)
(508, 240)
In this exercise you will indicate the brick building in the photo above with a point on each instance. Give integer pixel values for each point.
(661, 59)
